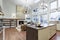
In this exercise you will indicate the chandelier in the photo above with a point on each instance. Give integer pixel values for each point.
(43, 6)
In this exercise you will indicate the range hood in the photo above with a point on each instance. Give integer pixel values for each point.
(1, 13)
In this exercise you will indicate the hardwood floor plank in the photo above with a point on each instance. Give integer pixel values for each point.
(13, 34)
(56, 37)
(1, 36)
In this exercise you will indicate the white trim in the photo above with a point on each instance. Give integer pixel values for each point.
(3, 32)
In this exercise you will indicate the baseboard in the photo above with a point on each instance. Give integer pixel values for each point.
(58, 30)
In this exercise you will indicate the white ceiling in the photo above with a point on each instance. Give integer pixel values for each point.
(33, 0)
(18, 2)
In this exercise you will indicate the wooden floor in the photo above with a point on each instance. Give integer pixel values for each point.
(13, 34)
(1, 36)
(56, 37)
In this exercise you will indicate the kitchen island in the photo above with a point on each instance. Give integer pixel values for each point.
(40, 33)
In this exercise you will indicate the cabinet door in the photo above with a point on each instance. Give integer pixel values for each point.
(31, 34)
(49, 34)
(52, 30)
(43, 34)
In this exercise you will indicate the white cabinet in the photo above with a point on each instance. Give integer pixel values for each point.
(58, 26)
(43, 34)
(47, 33)
(52, 30)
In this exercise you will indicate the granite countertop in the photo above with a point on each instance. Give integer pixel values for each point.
(39, 28)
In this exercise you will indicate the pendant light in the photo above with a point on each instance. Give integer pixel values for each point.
(43, 6)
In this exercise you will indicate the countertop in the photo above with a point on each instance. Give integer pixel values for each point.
(39, 28)
(10, 18)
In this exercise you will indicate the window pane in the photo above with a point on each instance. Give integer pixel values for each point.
(54, 5)
(44, 18)
(54, 16)
(27, 17)
(58, 3)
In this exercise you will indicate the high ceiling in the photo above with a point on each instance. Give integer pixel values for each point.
(23, 2)
(19, 2)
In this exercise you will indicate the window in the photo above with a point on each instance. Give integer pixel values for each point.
(27, 17)
(35, 18)
(58, 3)
(45, 18)
(54, 16)
(54, 5)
